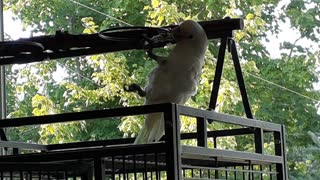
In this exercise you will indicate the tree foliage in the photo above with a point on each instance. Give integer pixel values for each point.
(96, 82)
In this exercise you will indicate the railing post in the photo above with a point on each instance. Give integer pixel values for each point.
(172, 134)
(202, 132)
(279, 142)
(258, 140)
(99, 169)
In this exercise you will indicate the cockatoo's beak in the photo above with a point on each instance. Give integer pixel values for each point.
(178, 35)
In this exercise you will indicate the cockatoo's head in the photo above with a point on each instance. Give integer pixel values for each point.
(189, 31)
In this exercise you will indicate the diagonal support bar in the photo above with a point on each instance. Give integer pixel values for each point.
(218, 74)
(242, 87)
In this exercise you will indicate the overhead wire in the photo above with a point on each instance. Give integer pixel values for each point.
(83, 76)
(92, 9)
(282, 87)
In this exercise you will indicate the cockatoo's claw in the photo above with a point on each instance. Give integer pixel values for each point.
(135, 88)
(149, 45)
(159, 59)
(152, 55)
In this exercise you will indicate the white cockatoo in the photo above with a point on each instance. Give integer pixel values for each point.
(176, 77)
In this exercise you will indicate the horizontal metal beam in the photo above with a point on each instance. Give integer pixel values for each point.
(65, 166)
(79, 145)
(22, 145)
(89, 153)
(63, 44)
(230, 119)
(109, 142)
(85, 115)
(223, 155)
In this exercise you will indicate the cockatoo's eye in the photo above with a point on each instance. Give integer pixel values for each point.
(190, 37)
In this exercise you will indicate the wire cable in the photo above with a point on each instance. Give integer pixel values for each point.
(83, 76)
(282, 87)
(104, 14)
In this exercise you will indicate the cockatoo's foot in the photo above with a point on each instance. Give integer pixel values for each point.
(135, 88)
(159, 59)
(151, 55)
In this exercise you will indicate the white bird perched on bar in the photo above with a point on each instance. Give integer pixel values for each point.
(176, 77)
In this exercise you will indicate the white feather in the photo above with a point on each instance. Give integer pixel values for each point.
(176, 79)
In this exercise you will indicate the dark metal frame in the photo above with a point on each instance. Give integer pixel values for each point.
(174, 157)
(63, 44)
(119, 157)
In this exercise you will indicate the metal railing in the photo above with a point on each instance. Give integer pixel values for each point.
(120, 159)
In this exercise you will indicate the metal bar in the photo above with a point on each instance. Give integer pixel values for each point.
(29, 167)
(216, 171)
(197, 152)
(85, 115)
(58, 176)
(251, 167)
(134, 167)
(240, 79)
(3, 105)
(113, 168)
(243, 173)
(156, 165)
(284, 152)
(279, 141)
(279, 152)
(226, 173)
(230, 119)
(124, 166)
(22, 145)
(220, 133)
(230, 170)
(201, 132)
(99, 169)
(145, 167)
(21, 175)
(172, 132)
(88, 153)
(15, 151)
(63, 44)
(218, 74)
(79, 145)
(259, 140)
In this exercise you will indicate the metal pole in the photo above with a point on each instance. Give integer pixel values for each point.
(2, 75)
(3, 109)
